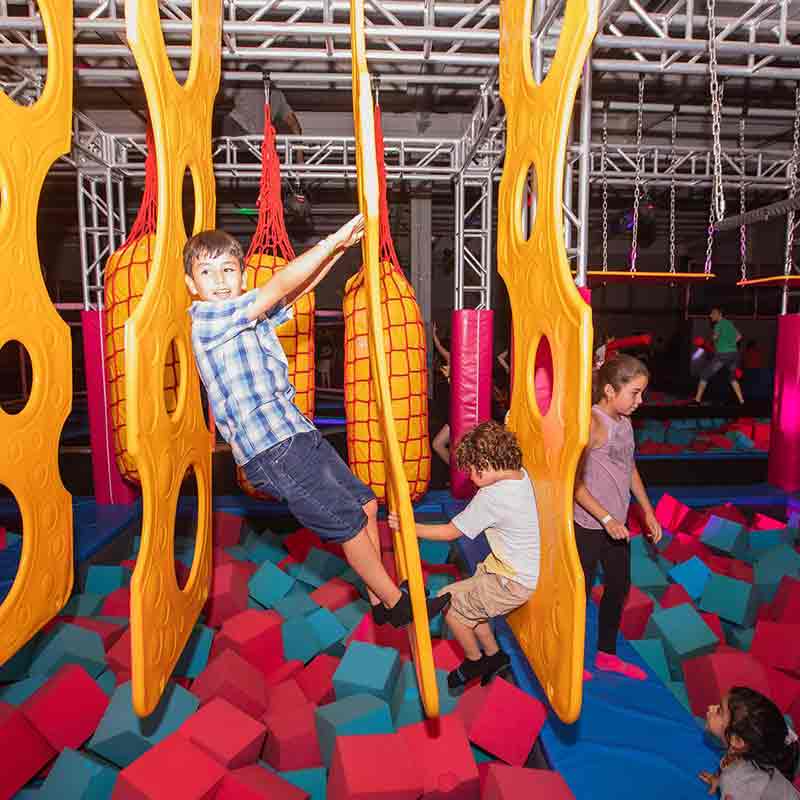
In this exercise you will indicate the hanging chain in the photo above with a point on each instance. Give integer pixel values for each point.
(716, 89)
(674, 161)
(793, 175)
(742, 202)
(637, 185)
(717, 194)
(603, 156)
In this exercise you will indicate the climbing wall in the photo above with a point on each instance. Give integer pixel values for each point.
(31, 138)
(406, 546)
(552, 334)
(166, 446)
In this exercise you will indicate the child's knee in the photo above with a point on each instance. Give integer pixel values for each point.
(371, 509)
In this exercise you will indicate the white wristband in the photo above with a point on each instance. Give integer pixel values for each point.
(606, 519)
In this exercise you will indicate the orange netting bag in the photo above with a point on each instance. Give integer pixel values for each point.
(126, 274)
(406, 354)
(270, 250)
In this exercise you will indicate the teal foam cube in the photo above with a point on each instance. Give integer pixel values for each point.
(737, 636)
(313, 781)
(406, 701)
(320, 566)
(326, 627)
(195, 655)
(17, 693)
(647, 575)
(18, 666)
(693, 575)
(759, 542)
(337, 650)
(269, 584)
(683, 633)
(239, 553)
(357, 714)
(107, 681)
(121, 737)
(352, 614)
(434, 552)
(772, 566)
(651, 651)
(435, 582)
(480, 756)
(731, 599)
(299, 640)
(83, 605)
(367, 669)
(263, 547)
(78, 777)
(103, 579)
(678, 689)
(294, 569)
(725, 537)
(69, 644)
(297, 603)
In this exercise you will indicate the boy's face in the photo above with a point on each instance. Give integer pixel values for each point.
(216, 279)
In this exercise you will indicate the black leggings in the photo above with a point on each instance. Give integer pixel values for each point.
(615, 556)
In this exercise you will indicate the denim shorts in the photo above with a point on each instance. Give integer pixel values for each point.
(317, 485)
(720, 361)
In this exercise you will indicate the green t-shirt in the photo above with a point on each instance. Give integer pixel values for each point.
(725, 335)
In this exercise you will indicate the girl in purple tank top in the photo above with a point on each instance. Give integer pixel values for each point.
(606, 477)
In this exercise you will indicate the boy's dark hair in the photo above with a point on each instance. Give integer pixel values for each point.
(761, 726)
(617, 371)
(488, 446)
(211, 244)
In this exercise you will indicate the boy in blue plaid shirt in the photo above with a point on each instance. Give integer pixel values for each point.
(246, 375)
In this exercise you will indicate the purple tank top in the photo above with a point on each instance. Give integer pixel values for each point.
(607, 470)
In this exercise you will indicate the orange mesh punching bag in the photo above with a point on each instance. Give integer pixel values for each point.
(126, 274)
(270, 250)
(408, 366)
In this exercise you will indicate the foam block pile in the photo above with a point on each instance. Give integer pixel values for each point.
(285, 690)
(717, 603)
(667, 437)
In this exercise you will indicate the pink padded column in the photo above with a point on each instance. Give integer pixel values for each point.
(784, 443)
(470, 383)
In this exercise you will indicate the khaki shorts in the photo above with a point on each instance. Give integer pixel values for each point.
(484, 596)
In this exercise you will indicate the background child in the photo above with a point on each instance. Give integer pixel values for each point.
(246, 375)
(761, 750)
(505, 508)
(606, 477)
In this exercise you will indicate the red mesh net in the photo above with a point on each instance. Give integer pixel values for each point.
(404, 336)
(126, 274)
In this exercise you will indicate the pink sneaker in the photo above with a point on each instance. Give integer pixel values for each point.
(610, 663)
(587, 676)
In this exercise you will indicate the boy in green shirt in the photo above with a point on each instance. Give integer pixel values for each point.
(726, 355)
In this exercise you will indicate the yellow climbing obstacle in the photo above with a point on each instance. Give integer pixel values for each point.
(550, 407)
(406, 545)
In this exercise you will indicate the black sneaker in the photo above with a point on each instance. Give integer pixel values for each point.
(464, 673)
(494, 665)
(400, 614)
(380, 614)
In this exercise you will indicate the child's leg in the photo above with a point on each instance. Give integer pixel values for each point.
(362, 557)
(486, 638)
(589, 544)
(371, 510)
(464, 635)
(616, 560)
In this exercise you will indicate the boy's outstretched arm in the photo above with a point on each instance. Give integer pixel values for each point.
(445, 532)
(299, 275)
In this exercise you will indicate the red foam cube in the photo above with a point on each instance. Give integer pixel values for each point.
(316, 679)
(300, 542)
(109, 632)
(284, 697)
(517, 783)
(683, 547)
(255, 636)
(762, 522)
(228, 594)
(777, 644)
(289, 669)
(67, 709)
(442, 750)
(334, 594)
(784, 689)
(670, 512)
(3, 538)
(740, 570)
(292, 741)
(710, 676)
(761, 435)
(385, 535)
(118, 657)
(257, 783)
(694, 523)
(371, 767)
(174, 768)
(238, 681)
(505, 721)
(226, 733)
(728, 510)
(31, 751)
(674, 595)
(785, 605)
(383, 635)
(635, 613)
(117, 603)
(227, 528)
(447, 654)
(713, 622)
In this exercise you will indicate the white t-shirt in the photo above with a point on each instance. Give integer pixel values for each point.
(744, 781)
(507, 512)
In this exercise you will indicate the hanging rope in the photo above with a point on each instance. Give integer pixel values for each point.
(673, 166)
(603, 157)
(716, 90)
(637, 185)
(742, 202)
(794, 169)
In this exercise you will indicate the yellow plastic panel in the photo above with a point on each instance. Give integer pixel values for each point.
(546, 309)
(31, 138)
(405, 545)
(164, 447)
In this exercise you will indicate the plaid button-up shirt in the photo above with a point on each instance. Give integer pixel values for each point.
(246, 374)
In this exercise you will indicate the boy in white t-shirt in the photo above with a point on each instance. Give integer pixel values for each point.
(504, 507)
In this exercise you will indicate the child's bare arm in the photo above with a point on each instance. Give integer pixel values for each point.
(442, 533)
(302, 270)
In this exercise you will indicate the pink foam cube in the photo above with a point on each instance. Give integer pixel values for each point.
(238, 681)
(67, 709)
(226, 733)
(334, 594)
(670, 512)
(117, 604)
(761, 522)
(785, 605)
(174, 768)
(777, 644)
(118, 657)
(228, 594)
(31, 751)
(710, 676)
(283, 697)
(257, 783)
(674, 595)
(300, 542)
(256, 636)
(517, 783)
(784, 689)
(447, 654)
(316, 679)
(442, 750)
(292, 741)
(635, 613)
(505, 721)
(227, 528)
(371, 767)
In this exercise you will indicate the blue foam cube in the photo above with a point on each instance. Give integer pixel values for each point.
(731, 599)
(351, 614)
(678, 689)
(18, 666)
(326, 627)
(297, 603)
(406, 701)
(313, 781)
(320, 566)
(300, 640)
(357, 714)
(194, 658)
(17, 693)
(479, 755)
(725, 537)
(367, 669)
(737, 636)
(107, 681)
(83, 605)
(693, 575)
(269, 584)
(772, 566)
(683, 633)
(647, 575)
(434, 552)
(77, 776)
(261, 547)
(651, 651)
(103, 579)
(69, 644)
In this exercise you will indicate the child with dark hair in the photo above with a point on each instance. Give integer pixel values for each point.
(761, 754)
(606, 477)
(504, 507)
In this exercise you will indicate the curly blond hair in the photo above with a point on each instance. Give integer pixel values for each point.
(488, 446)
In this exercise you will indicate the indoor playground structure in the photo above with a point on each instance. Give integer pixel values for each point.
(547, 185)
